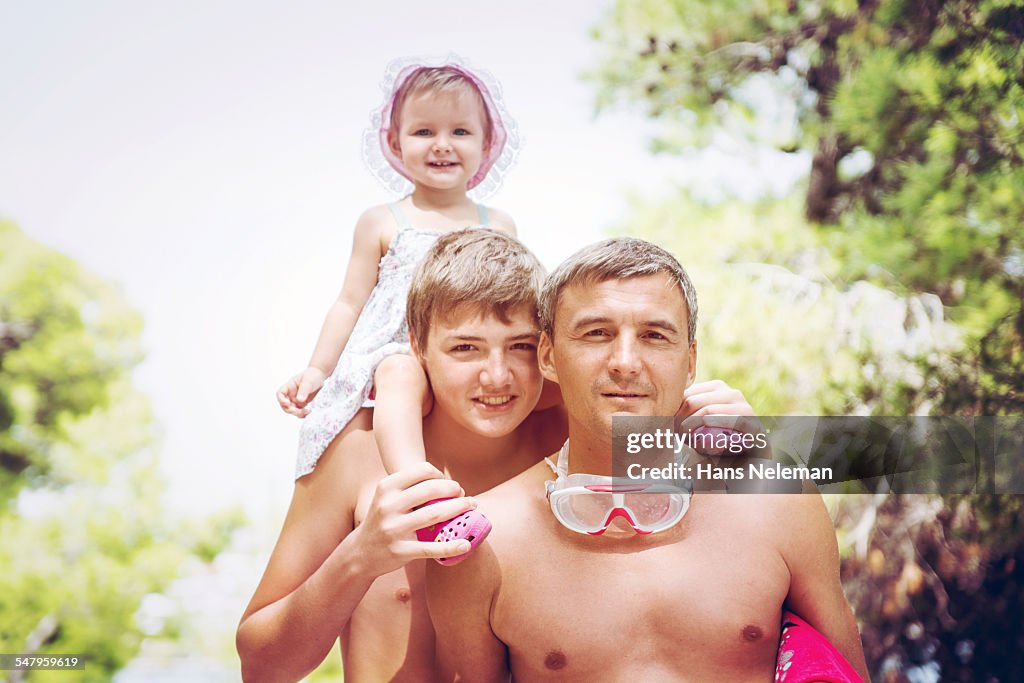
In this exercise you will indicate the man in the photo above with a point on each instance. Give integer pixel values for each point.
(700, 600)
(343, 563)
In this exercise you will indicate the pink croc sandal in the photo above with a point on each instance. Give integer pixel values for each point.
(470, 525)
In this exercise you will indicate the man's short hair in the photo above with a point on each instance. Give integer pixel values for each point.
(481, 270)
(618, 258)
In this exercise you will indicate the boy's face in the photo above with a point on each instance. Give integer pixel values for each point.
(483, 372)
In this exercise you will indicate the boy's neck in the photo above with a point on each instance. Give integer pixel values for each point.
(477, 462)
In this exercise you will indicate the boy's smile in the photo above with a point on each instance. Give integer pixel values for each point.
(483, 371)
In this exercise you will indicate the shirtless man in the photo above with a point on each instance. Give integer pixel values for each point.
(343, 565)
(699, 601)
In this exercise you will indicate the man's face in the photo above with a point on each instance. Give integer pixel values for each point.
(483, 372)
(620, 348)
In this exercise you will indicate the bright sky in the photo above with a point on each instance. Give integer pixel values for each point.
(206, 157)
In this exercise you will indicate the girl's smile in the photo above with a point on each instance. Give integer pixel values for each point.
(441, 139)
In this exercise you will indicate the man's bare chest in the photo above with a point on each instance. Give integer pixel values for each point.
(709, 598)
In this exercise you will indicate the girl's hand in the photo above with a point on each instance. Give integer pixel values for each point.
(295, 394)
(387, 535)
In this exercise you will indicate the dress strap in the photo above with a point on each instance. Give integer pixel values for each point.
(399, 215)
(484, 218)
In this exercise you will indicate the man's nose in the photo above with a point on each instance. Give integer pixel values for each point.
(496, 372)
(624, 358)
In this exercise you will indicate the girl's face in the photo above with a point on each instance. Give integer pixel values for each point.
(441, 138)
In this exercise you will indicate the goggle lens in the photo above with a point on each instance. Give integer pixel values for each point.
(589, 509)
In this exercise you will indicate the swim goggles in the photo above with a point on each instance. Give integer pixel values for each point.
(587, 503)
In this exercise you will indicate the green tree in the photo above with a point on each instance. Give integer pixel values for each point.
(82, 536)
(911, 114)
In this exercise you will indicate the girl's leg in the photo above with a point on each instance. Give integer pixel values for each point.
(402, 394)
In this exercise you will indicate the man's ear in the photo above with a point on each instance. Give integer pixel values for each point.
(545, 357)
(693, 363)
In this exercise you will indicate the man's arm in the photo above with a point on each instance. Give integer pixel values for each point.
(815, 591)
(321, 568)
(460, 599)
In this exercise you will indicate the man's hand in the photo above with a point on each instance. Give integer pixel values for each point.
(713, 398)
(388, 533)
(716, 408)
(295, 394)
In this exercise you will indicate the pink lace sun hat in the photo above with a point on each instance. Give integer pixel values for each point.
(497, 160)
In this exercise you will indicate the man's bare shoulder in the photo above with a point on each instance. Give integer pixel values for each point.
(511, 508)
(515, 491)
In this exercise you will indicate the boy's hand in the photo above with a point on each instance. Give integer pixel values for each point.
(295, 394)
(398, 509)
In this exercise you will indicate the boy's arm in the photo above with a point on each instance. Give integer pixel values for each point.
(321, 568)
(815, 591)
(460, 598)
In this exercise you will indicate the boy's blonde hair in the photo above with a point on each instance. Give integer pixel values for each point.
(618, 258)
(439, 79)
(481, 270)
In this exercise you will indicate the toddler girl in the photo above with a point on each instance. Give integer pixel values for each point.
(441, 132)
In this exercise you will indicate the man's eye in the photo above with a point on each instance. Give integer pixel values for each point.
(524, 346)
(596, 333)
(463, 347)
(656, 336)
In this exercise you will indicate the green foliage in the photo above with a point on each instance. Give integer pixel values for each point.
(82, 534)
(938, 581)
(65, 338)
(912, 112)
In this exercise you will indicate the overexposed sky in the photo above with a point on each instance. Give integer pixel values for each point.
(206, 156)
